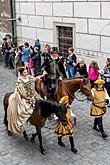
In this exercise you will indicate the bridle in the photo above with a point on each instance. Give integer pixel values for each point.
(74, 96)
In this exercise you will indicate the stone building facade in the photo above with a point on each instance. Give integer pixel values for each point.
(89, 21)
(5, 14)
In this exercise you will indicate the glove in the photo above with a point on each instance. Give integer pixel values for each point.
(107, 101)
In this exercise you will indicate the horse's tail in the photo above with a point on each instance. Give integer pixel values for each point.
(5, 104)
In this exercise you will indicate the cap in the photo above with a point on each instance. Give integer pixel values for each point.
(99, 82)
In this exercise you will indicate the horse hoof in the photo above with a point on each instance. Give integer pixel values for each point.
(26, 138)
(32, 140)
(9, 133)
(5, 122)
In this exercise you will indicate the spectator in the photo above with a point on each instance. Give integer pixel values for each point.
(18, 55)
(107, 76)
(37, 61)
(71, 63)
(37, 44)
(61, 65)
(93, 72)
(12, 56)
(5, 50)
(46, 54)
(81, 68)
(25, 54)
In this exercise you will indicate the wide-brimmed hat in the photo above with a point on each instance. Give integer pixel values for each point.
(64, 100)
(99, 82)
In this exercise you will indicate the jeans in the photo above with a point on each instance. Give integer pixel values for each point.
(6, 58)
(70, 71)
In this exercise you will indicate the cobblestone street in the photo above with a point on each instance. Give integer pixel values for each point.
(92, 149)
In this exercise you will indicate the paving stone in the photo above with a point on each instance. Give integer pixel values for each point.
(92, 149)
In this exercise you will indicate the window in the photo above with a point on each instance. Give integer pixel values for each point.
(65, 39)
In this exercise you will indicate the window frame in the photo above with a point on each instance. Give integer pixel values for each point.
(55, 33)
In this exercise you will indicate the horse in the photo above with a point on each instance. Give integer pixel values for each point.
(68, 87)
(43, 110)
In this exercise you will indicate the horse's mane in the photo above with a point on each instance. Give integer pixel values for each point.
(84, 80)
(47, 107)
(71, 78)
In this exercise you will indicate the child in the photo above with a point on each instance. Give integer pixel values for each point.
(98, 109)
(93, 72)
(62, 130)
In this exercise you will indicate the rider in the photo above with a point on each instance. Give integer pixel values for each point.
(51, 72)
(67, 130)
(98, 109)
(21, 102)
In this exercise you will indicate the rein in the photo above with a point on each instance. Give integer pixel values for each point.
(68, 90)
(73, 96)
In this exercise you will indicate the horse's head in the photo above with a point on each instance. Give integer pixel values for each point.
(61, 114)
(86, 88)
(47, 107)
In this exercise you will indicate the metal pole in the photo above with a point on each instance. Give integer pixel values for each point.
(13, 15)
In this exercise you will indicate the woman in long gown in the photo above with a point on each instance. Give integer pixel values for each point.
(21, 102)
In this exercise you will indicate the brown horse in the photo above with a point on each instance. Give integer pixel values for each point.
(66, 87)
(43, 110)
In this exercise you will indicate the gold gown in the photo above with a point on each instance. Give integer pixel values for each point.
(21, 104)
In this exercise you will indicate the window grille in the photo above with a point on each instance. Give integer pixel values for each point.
(65, 39)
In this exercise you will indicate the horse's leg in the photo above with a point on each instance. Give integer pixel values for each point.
(33, 137)
(5, 103)
(25, 135)
(9, 133)
(43, 151)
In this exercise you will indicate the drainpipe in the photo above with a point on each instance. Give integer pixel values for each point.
(13, 15)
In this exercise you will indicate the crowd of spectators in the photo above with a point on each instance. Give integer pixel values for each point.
(33, 58)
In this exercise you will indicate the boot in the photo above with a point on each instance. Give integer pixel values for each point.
(60, 141)
(73, 149)
(95, 125)
(100, 125)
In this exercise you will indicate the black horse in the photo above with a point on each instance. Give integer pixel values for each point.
(43, 110)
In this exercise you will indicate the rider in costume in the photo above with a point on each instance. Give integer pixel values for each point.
(22, 102)
(98, 109)
(51, 72)
(61, 130)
